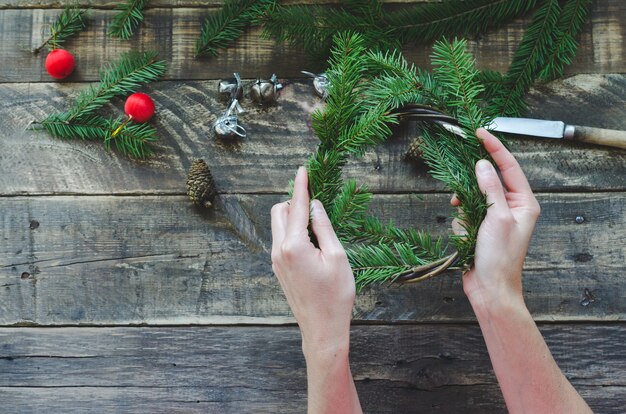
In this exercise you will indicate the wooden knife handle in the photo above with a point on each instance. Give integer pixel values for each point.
(599, 136)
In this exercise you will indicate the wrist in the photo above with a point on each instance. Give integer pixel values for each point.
(495, 305)
(326, 350)
(495, 299)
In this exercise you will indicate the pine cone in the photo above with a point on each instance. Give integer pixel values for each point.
(414, 152)
(200, 184)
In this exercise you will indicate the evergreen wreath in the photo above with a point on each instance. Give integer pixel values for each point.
(368, 93)
(125, 76)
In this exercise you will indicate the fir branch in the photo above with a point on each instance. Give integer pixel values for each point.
(372, 231)
(91, 127)
(342, 107)
(132, 140)
(431, 21)
(455, 70)
(311, 27)
(349, 207)
(528, 61)
(224, 26)
(128, 17)
(324, 170)
(569, 26)
(70, 21)
(346, 68)
(382, 263)
(119, 78)
(397, 82)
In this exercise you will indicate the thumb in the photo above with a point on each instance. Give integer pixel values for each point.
(323, 228)
(490, 184)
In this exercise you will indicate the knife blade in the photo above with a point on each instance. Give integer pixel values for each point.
(559, 130)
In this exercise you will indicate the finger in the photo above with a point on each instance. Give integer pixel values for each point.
(512, 174)
(323, 229)
(489, 183)
(279, 215)
(298, 218)
(455, 201)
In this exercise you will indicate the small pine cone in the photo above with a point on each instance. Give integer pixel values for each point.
(414, 152)
(200, 184)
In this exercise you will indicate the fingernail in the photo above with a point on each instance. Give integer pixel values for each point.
(484, 167)
(316, 207)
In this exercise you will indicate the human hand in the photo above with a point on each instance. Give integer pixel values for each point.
(505, 233)
(318, 282)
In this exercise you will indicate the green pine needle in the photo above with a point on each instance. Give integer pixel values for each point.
(537, 44)
(570, 24)
(71, 21)
(127, 19)
(223, 26)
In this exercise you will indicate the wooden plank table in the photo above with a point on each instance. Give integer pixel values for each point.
(117, 295)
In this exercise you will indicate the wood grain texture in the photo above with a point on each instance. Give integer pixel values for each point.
(103, 260)
(279, 140)
(173, 32)
(402, 369)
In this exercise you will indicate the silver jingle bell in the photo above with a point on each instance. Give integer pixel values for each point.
(227, 125)
(265, 92)
(321, 83)
(231, 89)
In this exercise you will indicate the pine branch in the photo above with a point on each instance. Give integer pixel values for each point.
(382, 263)
(311, 28)
(132, 140)
(324, 170)
(455, 71)
(125, 76)
(570, 24)
(342, 107)
(224, 26)
(346, 68)
(431, 21)
(128, 17)
(70, 21)
(397, 82)
(349, 207)
(91, 127)
(528, 61)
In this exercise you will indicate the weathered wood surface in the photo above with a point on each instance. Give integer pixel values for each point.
(159, 260)
(173, 32)
(401, 369)
(280, 139)
(91, 238)
(110, 4)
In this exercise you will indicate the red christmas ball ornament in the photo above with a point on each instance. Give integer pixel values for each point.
(139, 107)
(59, 63)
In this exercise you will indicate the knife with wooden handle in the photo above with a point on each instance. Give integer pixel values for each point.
(559, 130)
